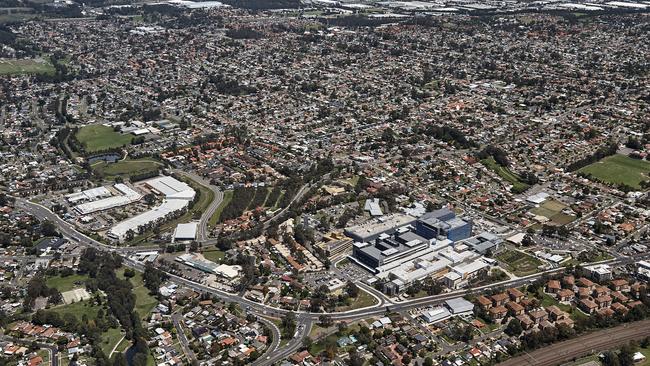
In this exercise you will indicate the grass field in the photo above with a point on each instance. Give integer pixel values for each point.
(552, 210)
(619, 169)
(78, 309)
(214, 255)
(23, 67)
(64, 284)
(126, 167)
(110, 339)
(144, 302)
(214, 219)
(506, 174)
(100, 137)
(363, 300)
(518, 263)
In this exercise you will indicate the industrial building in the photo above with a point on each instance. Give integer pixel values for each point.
(127, 196)
(443, 223)
(178, 195)
(483, 243)
(195, 262)
(204, 265)
(185, 232)
(91, 194)
(452, 307)
(395, 241)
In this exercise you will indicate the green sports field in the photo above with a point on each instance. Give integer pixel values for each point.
(23, 67)
(619, 169)
(100, 137)
(126, 167)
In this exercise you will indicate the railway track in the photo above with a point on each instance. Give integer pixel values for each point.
(598, 341)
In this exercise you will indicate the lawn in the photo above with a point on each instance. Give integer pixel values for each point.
(552, 210)
(126, 167)
(144, 302)
(619, 169)
(519, 263)
(318, 347)
(68, 283)
(506, 174)
(363, 300)
(214, 255)
(25, 66)
(100, 137)
(214, 219)
(78, 309)
(109, 339)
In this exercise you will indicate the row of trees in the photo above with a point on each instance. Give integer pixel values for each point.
(101, 267)
(448, 134)
(602, 152)
(497, 153)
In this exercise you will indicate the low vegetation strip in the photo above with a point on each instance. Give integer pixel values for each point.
(517, 185)
(214, 219)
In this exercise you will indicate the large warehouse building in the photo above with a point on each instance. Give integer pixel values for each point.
(177, 194)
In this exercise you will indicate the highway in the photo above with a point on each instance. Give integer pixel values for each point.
(587, 344)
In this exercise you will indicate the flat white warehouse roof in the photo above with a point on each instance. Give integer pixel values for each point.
(129, 196)
(186, 231)
(168, 185)
(177, 196)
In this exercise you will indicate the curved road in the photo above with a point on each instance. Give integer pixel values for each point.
(202, 232)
